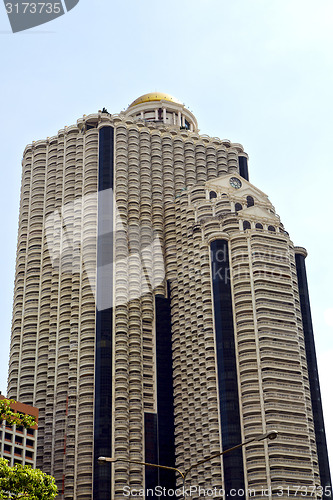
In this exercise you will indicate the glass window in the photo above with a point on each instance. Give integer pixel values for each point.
(212, 195)
(238, 207)
(246, 225)
(250, 201)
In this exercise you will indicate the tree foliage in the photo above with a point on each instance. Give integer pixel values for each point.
(23, 482)
(13, 417)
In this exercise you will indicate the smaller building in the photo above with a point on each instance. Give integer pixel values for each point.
(18, 444)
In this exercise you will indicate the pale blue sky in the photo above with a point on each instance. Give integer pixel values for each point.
(257, 72)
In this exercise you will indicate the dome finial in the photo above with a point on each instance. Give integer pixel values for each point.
(154, 96)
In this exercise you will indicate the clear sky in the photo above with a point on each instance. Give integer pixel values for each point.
(257, 72)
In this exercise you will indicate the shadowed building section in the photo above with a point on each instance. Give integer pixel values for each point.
(227, 366)
(165, 401)
(103, 349)
(318, 417)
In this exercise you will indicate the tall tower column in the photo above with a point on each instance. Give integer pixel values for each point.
(104, 312)
(318, 417)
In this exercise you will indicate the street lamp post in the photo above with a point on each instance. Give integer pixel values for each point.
(268, 435)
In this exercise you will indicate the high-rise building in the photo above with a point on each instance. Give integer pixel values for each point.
(18, 444)
(161, 313)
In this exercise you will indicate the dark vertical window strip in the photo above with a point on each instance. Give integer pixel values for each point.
(151, 453)
(243, 167)
(103, 342)
(165, 401)
(227, 369)
(318, 418)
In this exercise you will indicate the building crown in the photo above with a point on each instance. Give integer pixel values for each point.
(162, 108)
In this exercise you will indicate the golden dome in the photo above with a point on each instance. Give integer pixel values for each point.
(154, 96)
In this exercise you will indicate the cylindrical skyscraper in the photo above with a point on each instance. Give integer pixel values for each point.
(161, 313)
